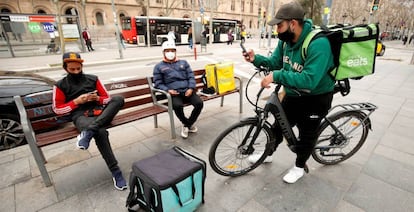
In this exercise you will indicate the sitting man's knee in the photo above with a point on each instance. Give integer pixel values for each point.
(118, 99)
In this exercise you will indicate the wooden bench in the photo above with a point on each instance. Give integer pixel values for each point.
(37, 116)
(163, 99)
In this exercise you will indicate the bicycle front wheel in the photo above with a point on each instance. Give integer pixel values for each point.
(229, 153)
(333, 148)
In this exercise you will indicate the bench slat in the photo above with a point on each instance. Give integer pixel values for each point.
(70, 131)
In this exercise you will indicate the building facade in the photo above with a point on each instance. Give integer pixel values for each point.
(98, 15)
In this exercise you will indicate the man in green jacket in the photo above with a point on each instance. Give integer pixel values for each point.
(290, 69)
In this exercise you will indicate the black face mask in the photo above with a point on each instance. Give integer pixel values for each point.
(76, 77)
(286, 36)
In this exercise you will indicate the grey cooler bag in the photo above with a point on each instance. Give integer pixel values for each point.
(172, 180)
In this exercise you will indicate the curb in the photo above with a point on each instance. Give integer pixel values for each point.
(58, 66)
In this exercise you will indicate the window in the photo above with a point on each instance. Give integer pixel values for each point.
(5, 10)
(251, 6)
(159, 1)
(40, 11)
(99, 18)
(121, 15)
(185, 3)
(71, 11)
(233, 5)
(242, 5)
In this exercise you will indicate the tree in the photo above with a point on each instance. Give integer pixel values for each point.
(313, 10)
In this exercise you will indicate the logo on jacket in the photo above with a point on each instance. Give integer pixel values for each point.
(294, 65)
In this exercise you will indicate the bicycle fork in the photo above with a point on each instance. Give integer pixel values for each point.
(255, 129)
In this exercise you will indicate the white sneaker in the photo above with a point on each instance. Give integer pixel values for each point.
(255, 157)
(294, 174)
(192, 129)
(184, 132)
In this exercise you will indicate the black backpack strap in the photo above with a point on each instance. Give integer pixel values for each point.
(132, 200)
(343, 87)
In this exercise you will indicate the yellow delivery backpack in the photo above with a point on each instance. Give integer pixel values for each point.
(220, 76)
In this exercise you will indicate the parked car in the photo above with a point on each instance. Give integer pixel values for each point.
(380, 48)
(12, 84)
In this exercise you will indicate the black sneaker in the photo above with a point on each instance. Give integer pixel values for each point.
(119, 181)
(84, 138)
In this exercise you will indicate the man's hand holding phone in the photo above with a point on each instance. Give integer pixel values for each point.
(248, 55)
(93, 96)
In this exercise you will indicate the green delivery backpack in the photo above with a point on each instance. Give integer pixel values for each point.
(353, 48)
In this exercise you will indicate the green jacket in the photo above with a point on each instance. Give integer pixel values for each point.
(290, 69)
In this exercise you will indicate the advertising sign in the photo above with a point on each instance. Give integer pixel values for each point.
(70, 31)
(34, 27)
(48, 27)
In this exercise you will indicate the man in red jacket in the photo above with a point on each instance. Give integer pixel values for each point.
(87, 37)
(85, 99)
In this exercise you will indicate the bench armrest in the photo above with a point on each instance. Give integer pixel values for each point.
(155, 92)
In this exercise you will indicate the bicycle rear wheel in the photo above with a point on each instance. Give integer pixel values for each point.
(229, 153)
(331, 147)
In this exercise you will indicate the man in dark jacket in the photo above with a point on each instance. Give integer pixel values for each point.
(307, 110)
(176, 77)
(85, 98)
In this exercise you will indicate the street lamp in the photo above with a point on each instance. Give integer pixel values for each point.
(344, 16)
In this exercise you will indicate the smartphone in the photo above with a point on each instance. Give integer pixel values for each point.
(242, 46)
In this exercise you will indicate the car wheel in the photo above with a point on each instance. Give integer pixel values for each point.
(11, 132)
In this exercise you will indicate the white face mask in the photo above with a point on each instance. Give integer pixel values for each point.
(170, 55)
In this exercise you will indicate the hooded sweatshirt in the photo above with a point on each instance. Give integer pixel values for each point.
(292, 70)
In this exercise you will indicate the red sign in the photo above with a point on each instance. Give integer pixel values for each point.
(42, 18)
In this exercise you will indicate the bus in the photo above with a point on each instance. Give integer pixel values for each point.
(134, 29)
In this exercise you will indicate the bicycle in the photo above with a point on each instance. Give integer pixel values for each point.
(341, 134)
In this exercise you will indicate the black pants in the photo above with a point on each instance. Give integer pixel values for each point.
(89, 45)
(97, 124)
(306, 113)
(178, 106)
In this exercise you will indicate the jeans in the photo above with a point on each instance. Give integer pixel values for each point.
(190, 41)
(178, 106)
(97, 125)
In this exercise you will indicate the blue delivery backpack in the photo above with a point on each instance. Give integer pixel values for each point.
(172, 181)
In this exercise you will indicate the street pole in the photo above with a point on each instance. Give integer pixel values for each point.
(118, 38)
(210, 34)
(193, 30)
(271, 12)
(83, 2)
(327, 13)
(59, 23)
(148, 26)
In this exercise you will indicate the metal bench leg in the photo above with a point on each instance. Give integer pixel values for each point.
(40, 161)
(171, 114)
(155, 121)
(31, 140)
(241, 97)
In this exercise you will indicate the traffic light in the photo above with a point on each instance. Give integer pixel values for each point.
(375, 5)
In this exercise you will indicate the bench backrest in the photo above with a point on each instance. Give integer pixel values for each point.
(39, 105)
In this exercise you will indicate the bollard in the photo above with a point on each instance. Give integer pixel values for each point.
(195, 53)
